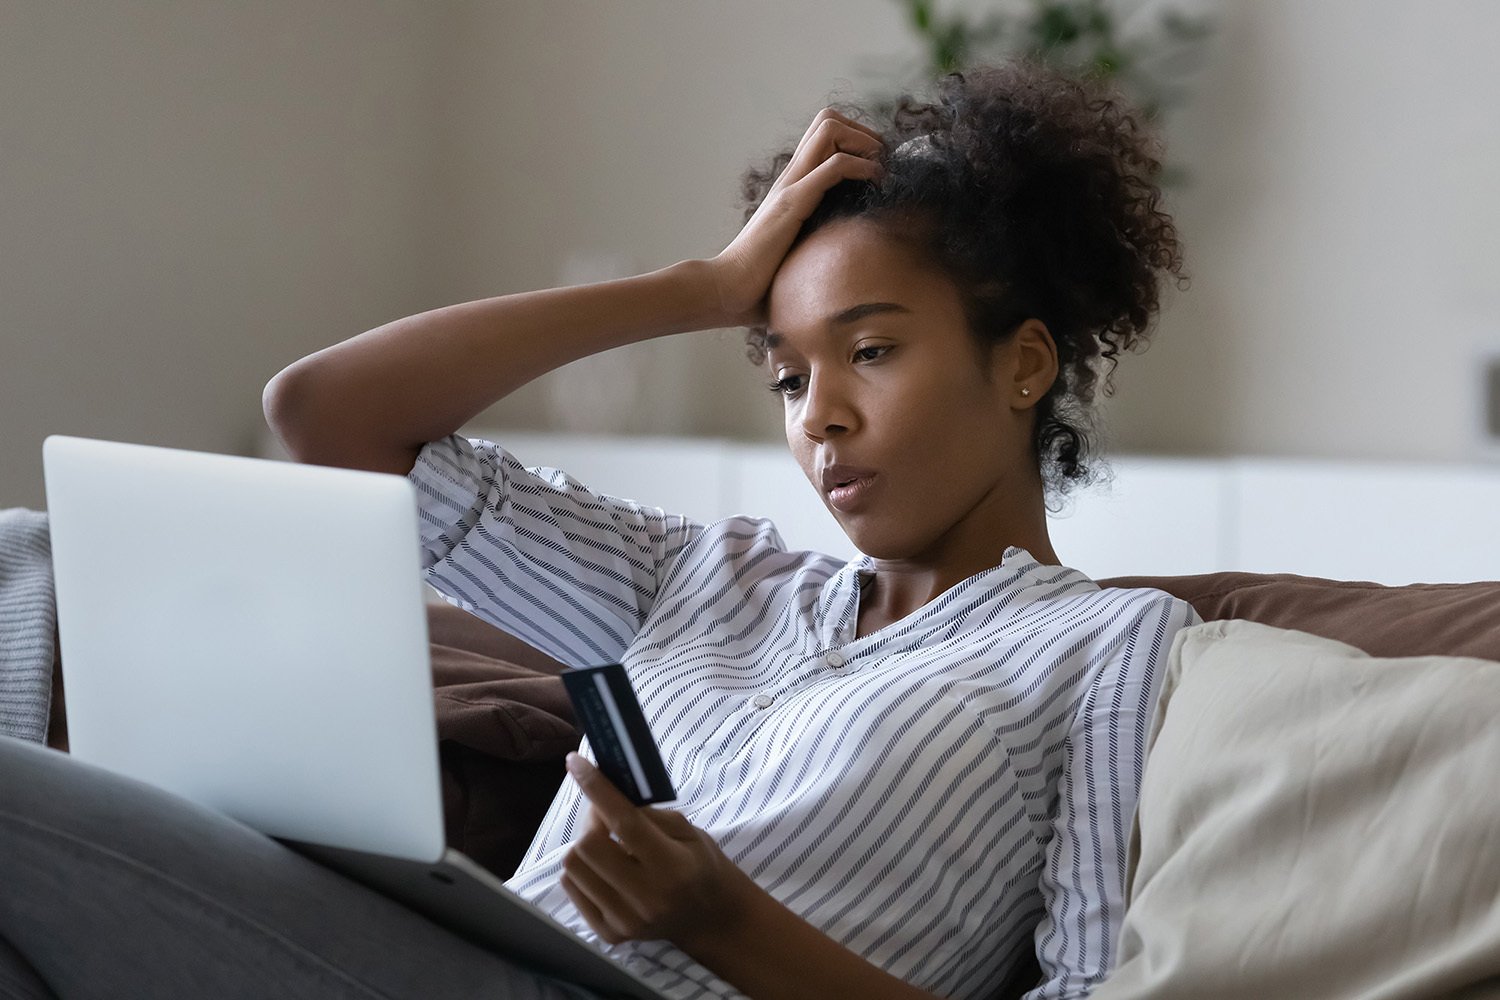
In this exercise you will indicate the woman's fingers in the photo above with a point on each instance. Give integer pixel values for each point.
(608, 875)
(610, 859)
(828, 137)
(833, 149)
(809, 190)
(673, 823)
(828, 114)
(608, 804)
(639, 873)
(604, 923)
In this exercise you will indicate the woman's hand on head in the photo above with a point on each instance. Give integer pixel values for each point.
(640, 873)
(834, 149)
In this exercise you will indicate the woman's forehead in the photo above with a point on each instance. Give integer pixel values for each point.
(841, 320)
(846, 265)
(832, 311)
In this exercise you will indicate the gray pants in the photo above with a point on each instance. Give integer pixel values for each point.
(113, 888)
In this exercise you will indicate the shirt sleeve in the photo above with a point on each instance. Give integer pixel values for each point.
(534, 551)
(1083, 874)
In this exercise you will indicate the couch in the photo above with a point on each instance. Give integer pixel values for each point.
(1319, 814)
(1238, 842)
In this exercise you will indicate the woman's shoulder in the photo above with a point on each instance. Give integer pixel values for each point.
(1078, 585)
(1149, 599)
(1131, 619)
(1074, 584)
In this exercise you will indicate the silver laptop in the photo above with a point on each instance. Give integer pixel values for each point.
(251, 635)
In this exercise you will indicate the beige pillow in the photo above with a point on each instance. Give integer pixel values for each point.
(1315, 822)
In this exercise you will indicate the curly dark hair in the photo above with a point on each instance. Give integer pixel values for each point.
(1036, 194)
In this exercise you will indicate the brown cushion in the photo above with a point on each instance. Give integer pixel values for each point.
(1423, 619)
(452, 626)
(503, 729)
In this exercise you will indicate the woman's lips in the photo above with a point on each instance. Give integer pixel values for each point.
(849, 496)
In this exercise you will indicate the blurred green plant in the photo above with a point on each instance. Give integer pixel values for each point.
(1149, 61)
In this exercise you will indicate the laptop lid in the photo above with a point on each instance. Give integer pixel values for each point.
(250, 635)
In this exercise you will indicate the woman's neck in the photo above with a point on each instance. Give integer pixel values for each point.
(1015, 514)
(897, 589)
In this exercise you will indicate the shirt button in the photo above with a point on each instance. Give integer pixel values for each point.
(762, 701)
(834, 659)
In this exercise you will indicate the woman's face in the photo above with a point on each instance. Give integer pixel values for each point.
(916, 444)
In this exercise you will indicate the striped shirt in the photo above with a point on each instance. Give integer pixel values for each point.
(939, 796)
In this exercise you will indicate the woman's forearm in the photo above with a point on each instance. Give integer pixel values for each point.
(372, 401)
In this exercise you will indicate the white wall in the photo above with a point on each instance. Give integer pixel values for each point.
(622, 129)
(192, 195)
(1343, 235)
(1341, 225)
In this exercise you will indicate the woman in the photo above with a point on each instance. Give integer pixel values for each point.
(902, 776)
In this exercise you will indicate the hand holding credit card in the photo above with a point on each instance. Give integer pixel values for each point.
(616, 728)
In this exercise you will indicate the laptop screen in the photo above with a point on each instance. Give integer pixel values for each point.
(250, 635)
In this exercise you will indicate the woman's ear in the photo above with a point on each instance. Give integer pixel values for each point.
(1031, 364)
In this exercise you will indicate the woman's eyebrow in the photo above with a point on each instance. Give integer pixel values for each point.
(843, 318)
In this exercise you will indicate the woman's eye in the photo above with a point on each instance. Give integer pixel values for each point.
(870, 353)
(787, 385)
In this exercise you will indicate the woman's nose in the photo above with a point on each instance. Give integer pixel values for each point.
(827, 409)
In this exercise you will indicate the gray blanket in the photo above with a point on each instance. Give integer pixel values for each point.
(28, 623)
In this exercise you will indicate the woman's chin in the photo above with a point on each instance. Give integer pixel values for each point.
(885, 545)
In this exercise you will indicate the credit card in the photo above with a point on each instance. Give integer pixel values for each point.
(616, 727)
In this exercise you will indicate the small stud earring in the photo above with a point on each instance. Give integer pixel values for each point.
(1025, 391)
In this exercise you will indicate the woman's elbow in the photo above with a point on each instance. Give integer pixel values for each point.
(286, 403)
(319, 426)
